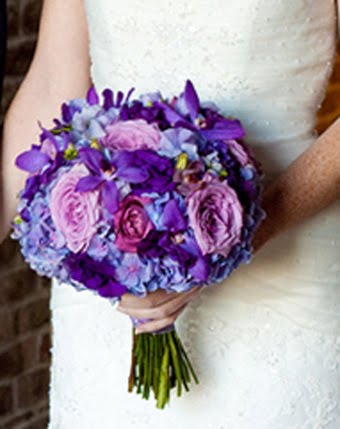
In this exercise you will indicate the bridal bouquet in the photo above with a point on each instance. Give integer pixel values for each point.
(134, 196)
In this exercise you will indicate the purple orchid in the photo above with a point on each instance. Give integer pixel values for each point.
(173, 241)
(173, 218)
(220, 129)
(146, 170)
(187, 254)
(104, 175)
(110, 101)
(36, 159)
(32, 160)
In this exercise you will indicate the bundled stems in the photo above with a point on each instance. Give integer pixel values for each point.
(159, 363)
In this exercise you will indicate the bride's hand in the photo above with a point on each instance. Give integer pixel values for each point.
(160, 307)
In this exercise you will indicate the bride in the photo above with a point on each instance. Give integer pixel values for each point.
(266, 343)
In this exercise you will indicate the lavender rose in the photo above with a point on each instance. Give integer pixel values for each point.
(216, 216)
(132, 135)
(132, 223)
(75, 214)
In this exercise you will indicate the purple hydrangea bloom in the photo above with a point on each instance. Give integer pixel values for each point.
(135, 274)
(175, 141)
(171, 277)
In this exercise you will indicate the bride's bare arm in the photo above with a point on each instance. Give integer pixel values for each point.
(310, 184)
(59, 70)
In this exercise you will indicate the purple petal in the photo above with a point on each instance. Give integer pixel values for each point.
(108, 99)
(47, 135)
(200, 270)
(173, 218)
(92, 96)
(88, 183)
(170, 114)
(191, 100)
(112, 289)
(92, 158)
(124, 113)
(32, 160)
(224, 130)
(110, 196)
(187, 125)
(31, 187)
(67, 112)
(133, 174)
(129, 95)
(94, 282)
(123, 158)
(76, 273)
(120, 98)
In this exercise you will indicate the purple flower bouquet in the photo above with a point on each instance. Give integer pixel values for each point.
(134, 196)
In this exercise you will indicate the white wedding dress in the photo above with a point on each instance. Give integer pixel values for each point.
(266, 343)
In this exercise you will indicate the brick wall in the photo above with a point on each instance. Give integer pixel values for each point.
(24, 343)
(24, 298)
(22, 28)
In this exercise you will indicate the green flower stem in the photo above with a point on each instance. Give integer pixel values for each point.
(179, 342)
(148, 368)
(159, 364)
(164, 380)
(145, 365)
(175, 359)
(156, 365)
(139, 363)
(184, 371)
(132, 376)
(151, 361)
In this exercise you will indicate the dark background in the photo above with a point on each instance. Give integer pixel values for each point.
(2, 40)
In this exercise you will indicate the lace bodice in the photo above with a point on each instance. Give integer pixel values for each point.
(264, 61)
(266, 343)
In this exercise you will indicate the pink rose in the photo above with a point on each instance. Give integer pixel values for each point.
(75, 214)
(239, 152)
(132, 223)
(132, 135)
(216, 216)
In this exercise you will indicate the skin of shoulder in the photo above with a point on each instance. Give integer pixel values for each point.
(60, 70)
